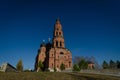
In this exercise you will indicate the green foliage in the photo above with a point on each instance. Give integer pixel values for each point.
(105, 65)
(19, 66)
(76, 67)
(83, 64)
(118, 64)
(112, 64)
(62, 66)
(40, 65)
(55, 70)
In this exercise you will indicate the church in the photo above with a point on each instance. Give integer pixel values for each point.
(53, 54)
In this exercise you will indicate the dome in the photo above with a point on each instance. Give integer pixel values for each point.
(43, 45)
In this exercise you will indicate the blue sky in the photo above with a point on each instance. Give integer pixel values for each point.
(91, 28)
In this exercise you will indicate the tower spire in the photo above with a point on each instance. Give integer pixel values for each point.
(58, 40)
(49, 39)
(57, 21)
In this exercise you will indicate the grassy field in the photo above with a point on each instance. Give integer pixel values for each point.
(54, 76)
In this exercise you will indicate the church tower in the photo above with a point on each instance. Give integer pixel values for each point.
(55, 54)
(58, 40)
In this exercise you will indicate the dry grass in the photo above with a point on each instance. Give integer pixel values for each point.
(85, 76)
(54, 76)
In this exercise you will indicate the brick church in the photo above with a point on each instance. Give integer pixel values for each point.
(52, 55)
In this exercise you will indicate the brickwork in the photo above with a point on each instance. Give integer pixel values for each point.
(54, 54)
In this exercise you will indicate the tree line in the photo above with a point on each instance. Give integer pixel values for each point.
(111, 64)
(81, 62)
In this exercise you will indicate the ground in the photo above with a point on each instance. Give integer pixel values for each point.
(54, 76)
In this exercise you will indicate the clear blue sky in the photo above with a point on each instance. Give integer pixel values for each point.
(91, 28)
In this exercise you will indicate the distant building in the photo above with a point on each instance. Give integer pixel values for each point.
(52, 55)
(6, 67)
(91, 65)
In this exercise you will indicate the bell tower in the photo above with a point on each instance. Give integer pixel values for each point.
(58, 40)
(54, 54)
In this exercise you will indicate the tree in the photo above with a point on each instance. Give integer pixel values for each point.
(19, 66)
(118, 64)
(105, 65)
(55, 70)
(112, 64)
(62, 67)
(76, 67)
(40, 66)
(83, 64)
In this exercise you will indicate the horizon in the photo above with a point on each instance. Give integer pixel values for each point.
(90, 28)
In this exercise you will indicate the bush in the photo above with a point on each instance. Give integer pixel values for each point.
(19, 66)
(62, 67)
(40, 65)
(76, 67)
(55, 70)
(83, 64)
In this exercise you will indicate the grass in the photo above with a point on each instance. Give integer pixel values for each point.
(54, 76)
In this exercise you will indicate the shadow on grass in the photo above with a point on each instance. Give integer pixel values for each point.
(54, 76)
(81, 76)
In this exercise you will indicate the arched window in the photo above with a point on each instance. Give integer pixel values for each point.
(56, 43)
(57, 28)
(61, 53)
(52, 55)
(52, 65)
(57, 66)
(69, 64)
(56, 33)
(59, 33)
(60, 44)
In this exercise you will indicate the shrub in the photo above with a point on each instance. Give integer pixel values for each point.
(76, 67)
(19, 66)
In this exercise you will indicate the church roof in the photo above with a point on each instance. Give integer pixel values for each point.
(43, 45)
(7, 67)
